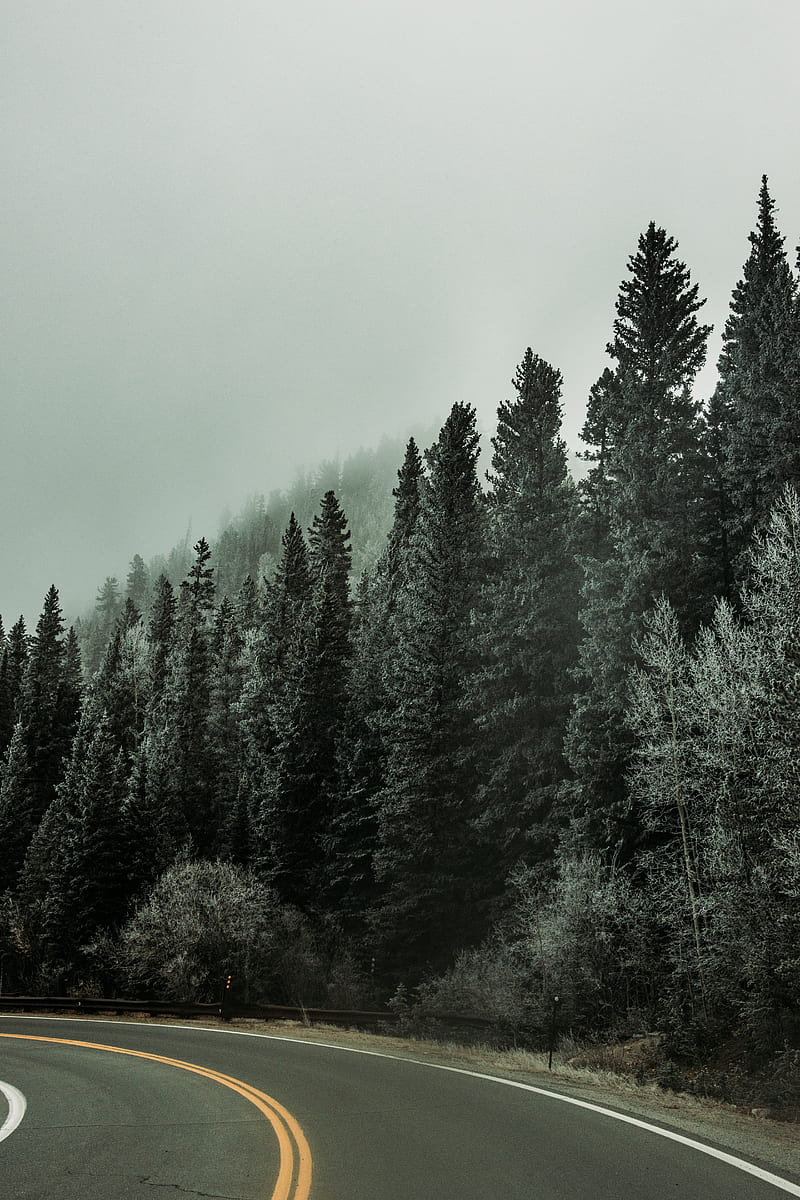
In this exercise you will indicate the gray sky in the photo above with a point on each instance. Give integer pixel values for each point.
(241, 237)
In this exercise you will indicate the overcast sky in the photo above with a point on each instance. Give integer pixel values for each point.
(241, 237)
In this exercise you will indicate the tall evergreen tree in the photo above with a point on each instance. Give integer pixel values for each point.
(129, 617)
(87, 877)
(406, 510)
(365, 734)
(292, 591)
(161, 633)
(248, 606)
(122, 687)
(70, 694)
(654, 459)
(18, 815)
(185, 753)
(759, 384)
(137, 584)
(528, 623)
(12, 669)
(425, 859)
(177, 778)
(716, 576)
(307, 718)
(270, 656)
(648, 482)
(596, 489)
(225, 739)
(48, 708)
(6, 702)
(330, 557)
(157, 831)
(197, 589)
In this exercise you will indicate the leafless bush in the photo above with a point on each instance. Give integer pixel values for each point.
(204, 920)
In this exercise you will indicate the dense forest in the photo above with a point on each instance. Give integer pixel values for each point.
(541, 739)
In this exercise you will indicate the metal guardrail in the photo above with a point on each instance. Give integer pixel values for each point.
(225, 1009)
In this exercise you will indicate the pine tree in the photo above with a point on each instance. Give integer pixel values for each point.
(107, 608)
(48, 709)
(648, 484)
(76, 877)
(6, 702)
(224, 733)
(70, 694)
(352, 836)
(406, 510)
(137, 584)
(96, 883)
(363, 744)
(596, 488)
(426, 855)
(130, 616)
(176, 779)
(716, 576)
(12, 671)
(161, 633)
(158, 834)
(655, 459)
(270, 658)
(197, 589)
(187, 759)
(292, 591)
(248, 606)
(121, 687)
(759, 382)
(528, 625)
(330, 557)
(156, 814)
(18, 816)
(307, 717)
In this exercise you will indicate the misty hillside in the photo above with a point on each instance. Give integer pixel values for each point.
(248, 544)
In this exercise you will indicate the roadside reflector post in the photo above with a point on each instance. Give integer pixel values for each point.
(552, 1038)
(226, 996)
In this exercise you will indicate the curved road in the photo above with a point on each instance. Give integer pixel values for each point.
(193, 1112)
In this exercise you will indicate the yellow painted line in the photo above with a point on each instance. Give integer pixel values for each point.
(291, 1138)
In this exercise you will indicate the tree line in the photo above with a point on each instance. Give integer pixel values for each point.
(544, 743)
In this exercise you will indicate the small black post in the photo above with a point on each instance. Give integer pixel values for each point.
(226, 995)
(552, 1033)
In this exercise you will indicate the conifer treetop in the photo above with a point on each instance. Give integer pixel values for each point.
(529, 453)
(657, 339)
(198, 587)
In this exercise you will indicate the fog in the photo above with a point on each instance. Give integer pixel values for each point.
(239, 238)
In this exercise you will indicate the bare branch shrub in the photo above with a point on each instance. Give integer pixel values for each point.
(203, 920)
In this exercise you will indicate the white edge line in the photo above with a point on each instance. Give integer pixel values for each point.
(740, 1164)
(16, 1109)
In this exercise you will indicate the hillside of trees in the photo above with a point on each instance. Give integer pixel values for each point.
(539, 740)
(249, 543)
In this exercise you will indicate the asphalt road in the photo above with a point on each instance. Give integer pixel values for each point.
(121, 1126)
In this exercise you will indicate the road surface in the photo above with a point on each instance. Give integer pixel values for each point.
(206, 1113)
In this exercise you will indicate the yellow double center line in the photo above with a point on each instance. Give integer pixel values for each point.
(294, 1174)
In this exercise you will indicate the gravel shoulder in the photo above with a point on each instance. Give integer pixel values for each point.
(773, 1145)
